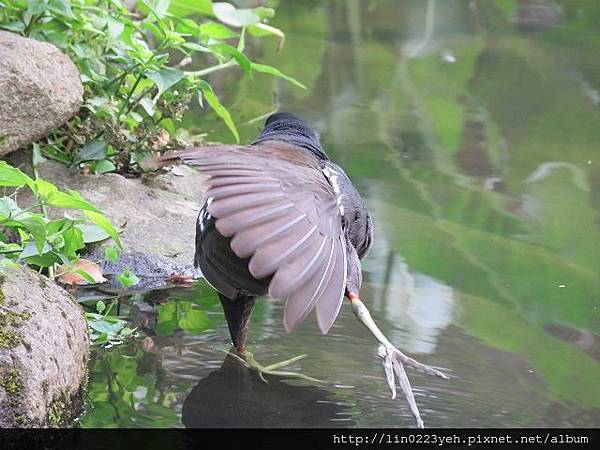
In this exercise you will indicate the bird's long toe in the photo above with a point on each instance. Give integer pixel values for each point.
(393, 359)
(247, 358)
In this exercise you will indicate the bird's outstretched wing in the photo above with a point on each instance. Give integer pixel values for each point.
(280, 211)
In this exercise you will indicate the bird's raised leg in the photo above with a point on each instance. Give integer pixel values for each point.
(393, 359)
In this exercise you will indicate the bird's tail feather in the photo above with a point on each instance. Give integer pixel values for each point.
(190, 156)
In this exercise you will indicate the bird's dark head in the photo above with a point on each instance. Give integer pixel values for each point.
(292, 130)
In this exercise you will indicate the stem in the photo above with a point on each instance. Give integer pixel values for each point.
(129, 94)
(42, 205)
(31, 23)
(138, 80)
(216, 68)
(137, 100)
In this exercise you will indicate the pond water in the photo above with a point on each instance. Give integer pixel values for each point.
(472, 130)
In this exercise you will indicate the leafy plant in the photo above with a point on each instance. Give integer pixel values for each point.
(29, 235)
(105, 330)
(132, 67)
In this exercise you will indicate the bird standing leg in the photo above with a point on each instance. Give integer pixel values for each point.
(393, 359)
(237, 313)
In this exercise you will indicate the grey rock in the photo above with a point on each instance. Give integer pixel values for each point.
(157, 214)
(153, 271)
(40, 89)
(44, 349)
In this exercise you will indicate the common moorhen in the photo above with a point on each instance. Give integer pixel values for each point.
(280, 219)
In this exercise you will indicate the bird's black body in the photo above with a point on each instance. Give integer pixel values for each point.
(311, 232)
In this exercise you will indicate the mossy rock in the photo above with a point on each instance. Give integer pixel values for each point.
(44, 349)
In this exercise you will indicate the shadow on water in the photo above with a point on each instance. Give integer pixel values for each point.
(235, 397)
(471, 130)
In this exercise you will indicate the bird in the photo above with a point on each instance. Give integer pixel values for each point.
(281, 220)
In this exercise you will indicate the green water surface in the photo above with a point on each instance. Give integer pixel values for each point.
(476, 145)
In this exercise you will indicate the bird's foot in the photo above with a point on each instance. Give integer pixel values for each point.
(393, 359)
(247, 359)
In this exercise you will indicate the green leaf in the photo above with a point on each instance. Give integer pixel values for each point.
(148, 105)
(100, 306)
(273, 71)
(37, 157)
(221, 111)
(187, 26)
(262, 29)
(228, 50)
(8, 208)
(264, 13)
(114, 29)
(167, 319)
(191, 7)
(127, 278)
(69, 201)
(32, 250)
(217, 31)
(17, 26)
(228, 14)
(165, 78)
(36, 7)
(169, 126)
(92, 151)
(92, 232)
(44, 189)
(37, 228)
(196, 47)
(11, 176)
(158, 7)
(7, 262)
(45, 260)
(73, 238)
(111, 253)
(86, 276)
(157, 31)
(105, 224)
(104, 166)
(62, 8)
(105, 326)
(194, 320)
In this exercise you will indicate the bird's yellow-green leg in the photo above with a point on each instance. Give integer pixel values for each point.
(247, 358)
(393, 359)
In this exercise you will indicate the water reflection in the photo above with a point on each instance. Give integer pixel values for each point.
(471, 129)
(235, 397)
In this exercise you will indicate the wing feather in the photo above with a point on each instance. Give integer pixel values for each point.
(280, 211)
(330, 302)
(301, 301)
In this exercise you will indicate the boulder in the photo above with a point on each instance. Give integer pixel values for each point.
(44, 349)
(157, 213)
(40, 89)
